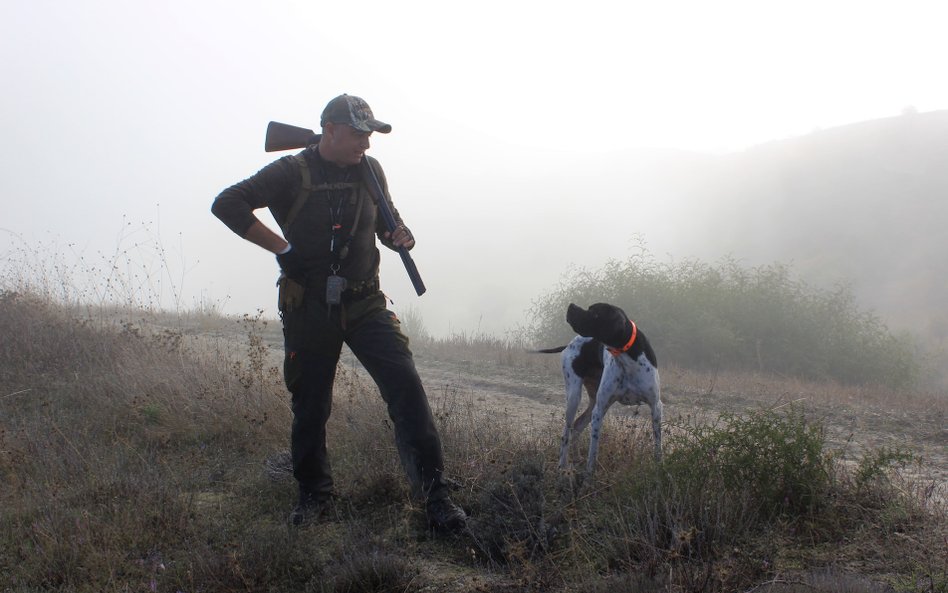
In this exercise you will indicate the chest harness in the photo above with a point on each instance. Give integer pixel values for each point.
(338, 242)
(335, 214)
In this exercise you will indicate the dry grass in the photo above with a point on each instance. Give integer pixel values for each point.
(133, 450)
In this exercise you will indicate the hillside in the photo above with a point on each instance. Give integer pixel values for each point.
(862, 204)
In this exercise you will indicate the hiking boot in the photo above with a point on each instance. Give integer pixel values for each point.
(309, 509)
(444, 515)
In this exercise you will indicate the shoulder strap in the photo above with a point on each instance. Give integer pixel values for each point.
(306, 188)
(355, 220)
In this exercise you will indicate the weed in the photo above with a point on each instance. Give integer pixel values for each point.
(363, 565)
(875, 465)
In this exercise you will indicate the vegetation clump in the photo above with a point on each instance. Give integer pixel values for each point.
(724, 316)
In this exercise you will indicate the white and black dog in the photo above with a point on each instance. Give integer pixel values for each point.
(613, 359)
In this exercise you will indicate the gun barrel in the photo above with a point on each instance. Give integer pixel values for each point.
(376, 190)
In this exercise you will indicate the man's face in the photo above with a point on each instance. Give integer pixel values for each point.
(345, 145)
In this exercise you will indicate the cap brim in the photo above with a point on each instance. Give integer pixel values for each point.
(379, 126)
(372, 125)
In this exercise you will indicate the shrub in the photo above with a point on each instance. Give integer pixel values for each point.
(775, 460)
(714, 500)
(724, 316)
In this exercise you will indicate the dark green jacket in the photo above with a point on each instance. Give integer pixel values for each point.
(277, 187)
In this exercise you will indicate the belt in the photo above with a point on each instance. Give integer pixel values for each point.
(317, 283)
(360, 289)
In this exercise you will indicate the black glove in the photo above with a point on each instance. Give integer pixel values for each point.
(292, 264)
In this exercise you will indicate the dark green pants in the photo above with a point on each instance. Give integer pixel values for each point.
(313, 342)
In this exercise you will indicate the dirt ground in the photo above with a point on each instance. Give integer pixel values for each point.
(855, 419)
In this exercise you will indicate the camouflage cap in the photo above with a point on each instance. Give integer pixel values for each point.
(352, 110)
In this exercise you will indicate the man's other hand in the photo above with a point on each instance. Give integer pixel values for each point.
(401, 237)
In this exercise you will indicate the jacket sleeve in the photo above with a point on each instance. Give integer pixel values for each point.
(269, 187)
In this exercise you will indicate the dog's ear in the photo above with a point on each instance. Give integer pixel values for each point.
(574, 315)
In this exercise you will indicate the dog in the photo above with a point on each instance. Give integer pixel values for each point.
(614, 361)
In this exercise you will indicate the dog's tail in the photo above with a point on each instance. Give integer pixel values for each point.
(549, 350)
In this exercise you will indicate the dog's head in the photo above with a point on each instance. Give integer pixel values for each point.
(607, 323)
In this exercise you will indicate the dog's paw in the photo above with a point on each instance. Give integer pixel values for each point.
(570, 483)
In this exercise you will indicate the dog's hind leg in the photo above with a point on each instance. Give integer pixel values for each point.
(611, 377)
(574, 386)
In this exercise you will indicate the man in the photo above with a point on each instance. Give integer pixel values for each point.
(329, 294)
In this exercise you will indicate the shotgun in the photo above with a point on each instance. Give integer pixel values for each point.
(287, 137)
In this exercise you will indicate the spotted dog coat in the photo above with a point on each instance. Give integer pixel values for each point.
(614, 361)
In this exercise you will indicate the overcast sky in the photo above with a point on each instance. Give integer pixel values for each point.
(121, 121)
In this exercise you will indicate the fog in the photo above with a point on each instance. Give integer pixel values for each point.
(527, 138)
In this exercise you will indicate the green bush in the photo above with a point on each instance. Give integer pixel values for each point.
(719, 487)
(725, 316)
(774, 459)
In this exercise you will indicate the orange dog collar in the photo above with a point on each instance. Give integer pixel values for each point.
(618, 351)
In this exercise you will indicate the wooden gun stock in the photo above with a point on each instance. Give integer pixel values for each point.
(287, 137)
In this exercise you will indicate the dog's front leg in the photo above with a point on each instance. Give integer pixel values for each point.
(573, 396)
(607, 389)
(599, 413)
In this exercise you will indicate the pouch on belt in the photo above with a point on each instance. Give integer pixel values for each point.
(289, 294)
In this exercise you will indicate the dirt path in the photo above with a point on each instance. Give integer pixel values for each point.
(853, 425)
(530, 390)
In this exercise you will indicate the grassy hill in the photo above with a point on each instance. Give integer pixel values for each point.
(144, 453)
